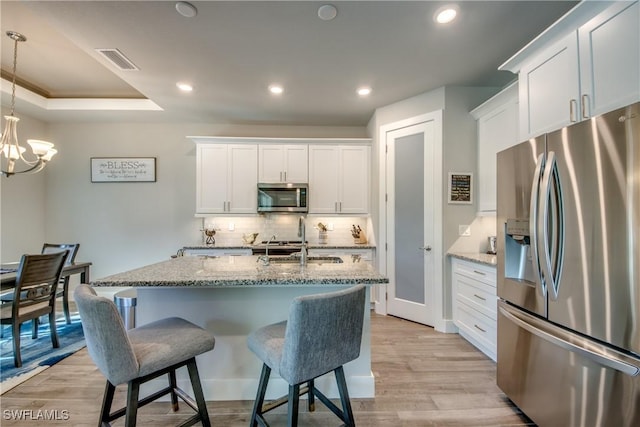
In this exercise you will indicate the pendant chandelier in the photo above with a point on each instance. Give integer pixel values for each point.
(12, 154)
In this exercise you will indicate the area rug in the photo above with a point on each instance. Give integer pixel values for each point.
(39, 354)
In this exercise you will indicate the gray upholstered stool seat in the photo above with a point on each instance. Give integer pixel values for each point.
(322, 333)
(141, 354)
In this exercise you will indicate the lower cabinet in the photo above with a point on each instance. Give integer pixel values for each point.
(475, 304)
(352, 255)
(218, 251)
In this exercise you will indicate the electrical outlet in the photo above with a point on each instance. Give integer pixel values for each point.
(330, 226)
(464, 230)
(232, 226)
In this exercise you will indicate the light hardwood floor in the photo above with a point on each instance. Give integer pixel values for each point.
(423, 378)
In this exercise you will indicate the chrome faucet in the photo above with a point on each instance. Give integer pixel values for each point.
(265, 258)
(302, 235)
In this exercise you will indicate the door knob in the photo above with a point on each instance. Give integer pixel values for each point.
(426, 248)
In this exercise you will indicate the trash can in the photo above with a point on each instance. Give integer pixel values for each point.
(126, 303)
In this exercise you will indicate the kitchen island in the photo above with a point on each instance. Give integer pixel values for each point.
(232, 296)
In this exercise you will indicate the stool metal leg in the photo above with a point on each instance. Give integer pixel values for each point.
(107, 400)
(344, 397)
(294, 399)
(172, 385)
(262, 389)
(133, 392)
(311, 404)
(197, 392)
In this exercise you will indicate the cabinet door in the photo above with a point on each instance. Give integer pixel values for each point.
(271, 163)
(211, 178)
(354, 183)
(610, 59)
(283, 163)
(323, 178)
(242, 195)
(497, 130)
(549, 88)
(296, 163)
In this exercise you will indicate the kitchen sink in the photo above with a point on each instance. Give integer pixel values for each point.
(310, 260)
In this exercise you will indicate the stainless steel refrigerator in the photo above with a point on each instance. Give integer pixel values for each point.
(569, 273)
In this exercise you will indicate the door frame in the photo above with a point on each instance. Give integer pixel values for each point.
(381, 302)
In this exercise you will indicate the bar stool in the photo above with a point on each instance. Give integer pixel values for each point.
(141, 354)
(323, 332)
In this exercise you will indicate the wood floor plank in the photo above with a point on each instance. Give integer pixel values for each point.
(423, 378)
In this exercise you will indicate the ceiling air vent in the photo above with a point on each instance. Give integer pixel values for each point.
(118, 59)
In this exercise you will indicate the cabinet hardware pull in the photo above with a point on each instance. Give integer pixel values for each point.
(336, 206)
(479, 272)
(585, 99)
(479, 297)
(478, 327)
(573, 105)
(281, 180)
(285, 176)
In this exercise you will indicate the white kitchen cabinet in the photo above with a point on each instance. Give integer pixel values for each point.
(497, 125)
(226, 178)
(589, 65)
(283, 163)
(339, 179)
(475, 304)
(610, 59)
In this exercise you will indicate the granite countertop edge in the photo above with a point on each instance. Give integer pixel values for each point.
(480, 258)
(231, 271)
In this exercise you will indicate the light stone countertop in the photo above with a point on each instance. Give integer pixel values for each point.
(234, 271)
(486, 259)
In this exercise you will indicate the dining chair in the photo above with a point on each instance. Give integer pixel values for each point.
(63, 290)
(34, 295)
(323, 332)
(141, 354)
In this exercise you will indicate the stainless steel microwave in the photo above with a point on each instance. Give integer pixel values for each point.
(283, 197)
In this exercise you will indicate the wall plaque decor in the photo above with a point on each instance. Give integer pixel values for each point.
(123, 169)
(461, 187)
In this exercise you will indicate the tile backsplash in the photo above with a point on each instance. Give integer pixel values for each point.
(229, 230)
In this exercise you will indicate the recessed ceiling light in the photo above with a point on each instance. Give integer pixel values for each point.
(446, 14)
(327, 12)
(185, 87)
(364, 91)
(186, 9)
(276, 89)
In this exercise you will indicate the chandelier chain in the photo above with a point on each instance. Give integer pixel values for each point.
(13, 80)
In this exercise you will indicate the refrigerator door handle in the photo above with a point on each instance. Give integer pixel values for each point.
(542, 237)
(571, 342)
(533, 224)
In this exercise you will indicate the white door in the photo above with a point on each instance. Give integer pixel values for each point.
(412, 198)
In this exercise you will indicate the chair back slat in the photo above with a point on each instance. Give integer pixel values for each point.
(106, 336)
(37, 280)
(323, 332)
(49, 248)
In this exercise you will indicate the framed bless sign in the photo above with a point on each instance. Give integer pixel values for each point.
(123, 169)
(460, 188)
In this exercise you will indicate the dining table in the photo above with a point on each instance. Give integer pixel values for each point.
(8, 273)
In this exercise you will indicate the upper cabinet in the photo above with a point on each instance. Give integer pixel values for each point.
(339, 179)
(610, 59)
(283, 163)
(497, 121)
(226, 178)
(586, 64)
